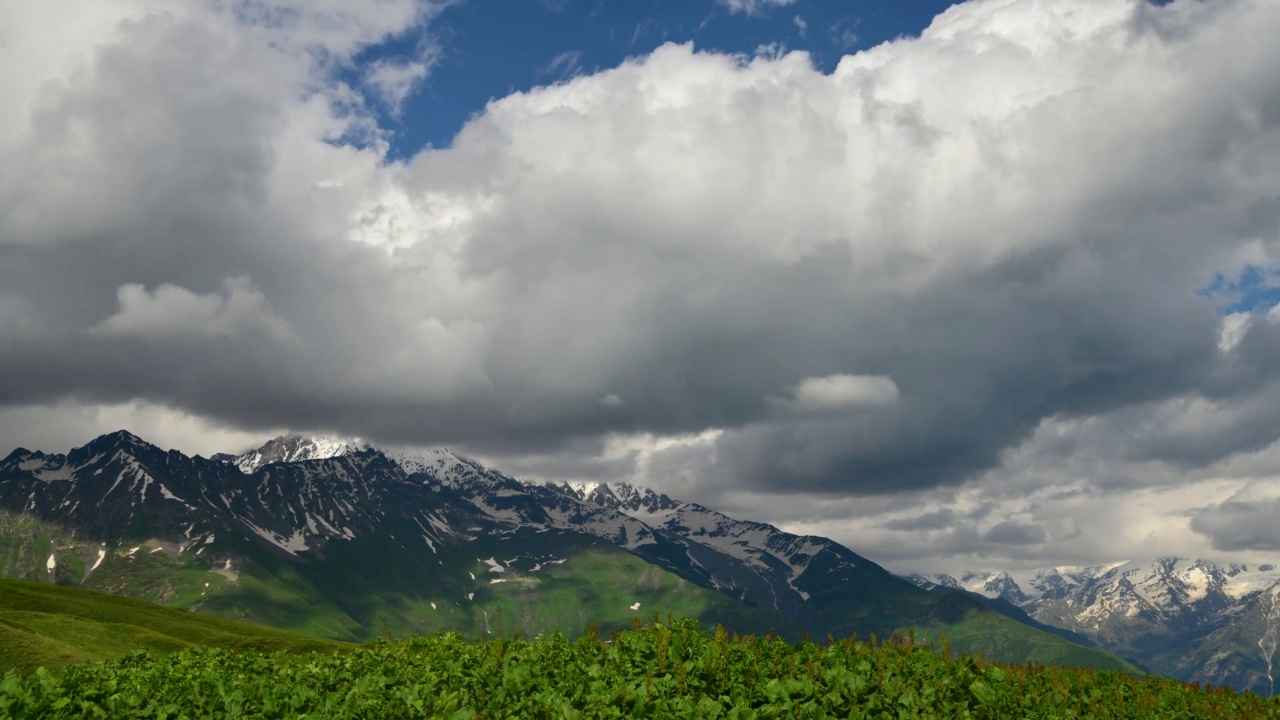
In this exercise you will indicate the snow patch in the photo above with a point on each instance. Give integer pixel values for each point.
(494, 565)
(51, 563)
(634, 607)
(102, 553)
(63, 471)
(583, 489)
(113, 485)
(294, 544)
(442, 463)
(493, 512)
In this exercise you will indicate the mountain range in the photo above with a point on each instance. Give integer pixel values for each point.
(1189, 619)
(348, 541)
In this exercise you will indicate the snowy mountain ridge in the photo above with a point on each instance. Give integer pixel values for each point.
(442, 463)
(1179, 616)
(1167, 584)
(297, 493)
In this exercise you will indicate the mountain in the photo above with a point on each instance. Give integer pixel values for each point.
(347, 541)
(1194, 620)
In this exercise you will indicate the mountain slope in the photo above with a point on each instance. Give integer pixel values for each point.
(51, 626)
(1191, 619)
(346, 541)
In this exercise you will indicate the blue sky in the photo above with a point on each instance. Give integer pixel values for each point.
(491, 48)
(1257, 289)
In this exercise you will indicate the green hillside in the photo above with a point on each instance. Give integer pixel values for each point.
(999, 638)
(370, 588)
(369, 591)
(52, 626)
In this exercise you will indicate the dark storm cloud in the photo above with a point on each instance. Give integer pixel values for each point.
(878, 280)
(936, 520)
(1241, 525)
(1011, 532)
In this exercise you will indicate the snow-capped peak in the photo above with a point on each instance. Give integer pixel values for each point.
(638, 502)
(582, 489)
(295, 448)
(442, 463)
(1169, 586)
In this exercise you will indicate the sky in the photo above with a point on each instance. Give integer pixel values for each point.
(988, 286)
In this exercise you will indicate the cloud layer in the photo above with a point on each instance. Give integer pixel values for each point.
(733, 275)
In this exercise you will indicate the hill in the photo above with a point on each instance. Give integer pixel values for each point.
(48, 626)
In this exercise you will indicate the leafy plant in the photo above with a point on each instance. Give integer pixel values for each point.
(664, 669)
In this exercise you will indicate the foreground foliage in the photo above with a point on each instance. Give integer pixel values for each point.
(671, 670)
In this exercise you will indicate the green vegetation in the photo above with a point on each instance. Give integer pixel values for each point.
(999, 638)
(366, 588)
(664, 670)
(600, 585)
(50, 626)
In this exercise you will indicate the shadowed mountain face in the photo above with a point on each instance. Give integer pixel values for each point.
(349, 541)
(1189, 619)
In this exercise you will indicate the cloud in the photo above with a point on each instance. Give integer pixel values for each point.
(62, 426)
(802, 27)
(753, 7)
(935, 520)
(1011, 532)
(177, 312)
(566, 65)
(333, 29)
(395, 80)
(1241, 526)
(1244, 521)
(840, 392)
(1001, 225)
(844, 33)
